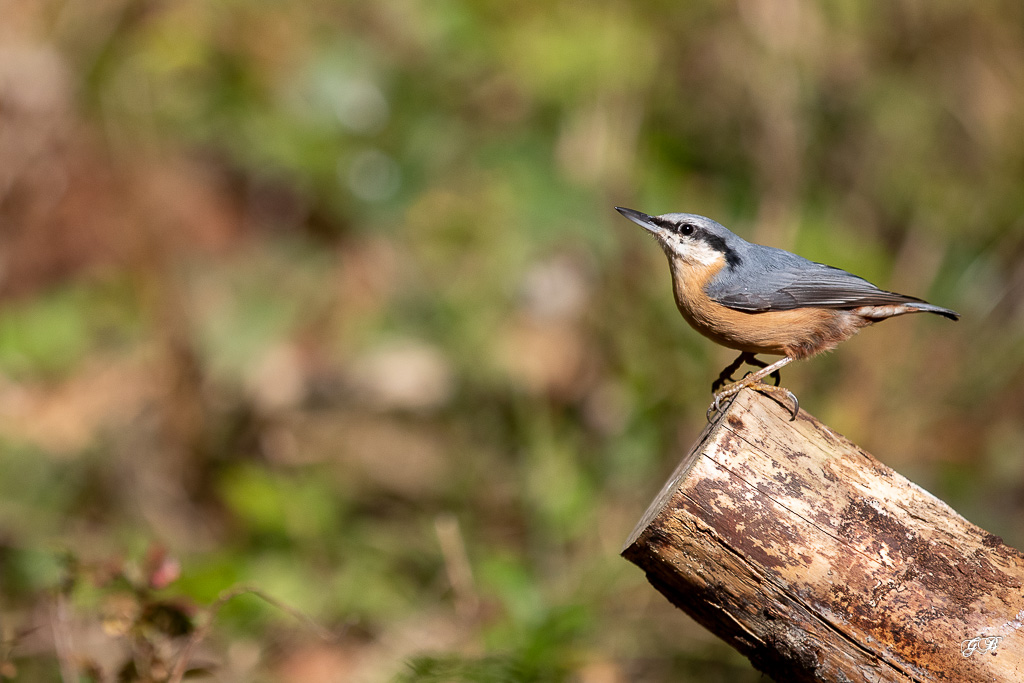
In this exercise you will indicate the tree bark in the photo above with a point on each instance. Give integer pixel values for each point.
(819, 563)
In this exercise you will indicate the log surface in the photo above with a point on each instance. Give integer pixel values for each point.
(819, 563)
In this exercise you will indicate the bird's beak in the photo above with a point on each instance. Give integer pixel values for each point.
(641, 219)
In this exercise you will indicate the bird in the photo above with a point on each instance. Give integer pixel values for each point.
(763, 300)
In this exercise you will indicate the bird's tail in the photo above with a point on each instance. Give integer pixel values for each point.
(901, 306)
(931, 308)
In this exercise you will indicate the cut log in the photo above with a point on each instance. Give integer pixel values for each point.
(819, 563)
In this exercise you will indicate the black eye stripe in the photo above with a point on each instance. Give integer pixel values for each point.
(716, 242)
(675, 228)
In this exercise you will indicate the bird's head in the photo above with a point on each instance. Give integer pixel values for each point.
(689, 239)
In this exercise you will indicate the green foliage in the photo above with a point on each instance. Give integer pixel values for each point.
(51, 335)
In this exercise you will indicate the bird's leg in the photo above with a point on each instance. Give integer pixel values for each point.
(726, 374)
(744, 357)
(754, 381)
(757, 362)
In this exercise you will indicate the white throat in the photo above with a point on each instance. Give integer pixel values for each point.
(693, 252)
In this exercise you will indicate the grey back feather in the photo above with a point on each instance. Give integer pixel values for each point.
(772, 279)
(769, 279)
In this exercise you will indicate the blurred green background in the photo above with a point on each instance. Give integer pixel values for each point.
(328, 298)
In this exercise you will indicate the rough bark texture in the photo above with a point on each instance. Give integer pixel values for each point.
(821, 564)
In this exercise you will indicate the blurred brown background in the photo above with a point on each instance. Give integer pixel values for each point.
(328, 298)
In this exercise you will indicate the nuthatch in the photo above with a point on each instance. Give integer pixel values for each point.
(758, 299)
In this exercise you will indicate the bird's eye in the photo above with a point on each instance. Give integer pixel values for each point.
(685, 229)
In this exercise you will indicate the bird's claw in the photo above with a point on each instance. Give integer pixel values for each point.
(769, 390)
(714, 408)
(796, 404)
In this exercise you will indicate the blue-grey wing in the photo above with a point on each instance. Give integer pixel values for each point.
(776, 280)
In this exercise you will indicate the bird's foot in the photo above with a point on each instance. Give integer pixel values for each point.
(754, 381)
(777, 393)
(776, 377)
(758, 363)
